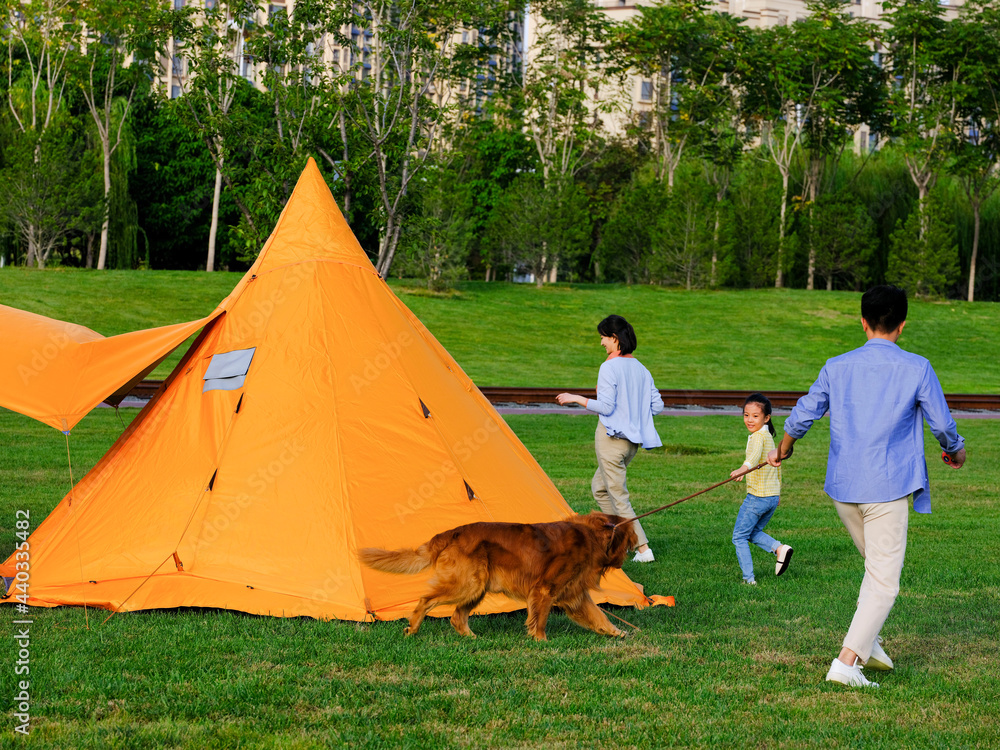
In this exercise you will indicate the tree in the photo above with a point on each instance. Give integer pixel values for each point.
(754, 222)
(851, 92)
(923, 100)
(561, 85)
(974, 49)
(402, 54)
(534, 224)
(683, 235)
(924, 255)
(842, 237)
(46, 183)
(809, 84)
(215, 44)
(772, 94)
(627, 240)
(435, 241)
(119, 39)
(688, 54)
(44, 34)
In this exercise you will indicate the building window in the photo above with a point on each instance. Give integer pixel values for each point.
(872, 141)
(646, 94)
(178, 4)
(178, 66)
(465, 37)
(175, 92)
(210, 4)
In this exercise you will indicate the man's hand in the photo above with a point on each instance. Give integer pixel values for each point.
(784, 450)
(733, 474)
(954, 460)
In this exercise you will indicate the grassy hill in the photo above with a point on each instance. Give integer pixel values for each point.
(517, 335)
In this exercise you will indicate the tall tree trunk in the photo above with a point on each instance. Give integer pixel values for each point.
(779, 277)
(387, 251)
(811, 282)
(213, 230)
(102, 257)
(347, 169)
(29, 258)
(715, 243)
(975, 251)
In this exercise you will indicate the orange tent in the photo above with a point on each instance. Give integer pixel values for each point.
(315, 417)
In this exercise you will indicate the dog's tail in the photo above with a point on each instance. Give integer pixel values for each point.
(405, 561)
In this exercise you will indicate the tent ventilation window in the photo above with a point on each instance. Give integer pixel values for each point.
(427, 412)
(211, 482)
(469, 491)
(228, 370)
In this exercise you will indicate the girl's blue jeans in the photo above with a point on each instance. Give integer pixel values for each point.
(750, 522)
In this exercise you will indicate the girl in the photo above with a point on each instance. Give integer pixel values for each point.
(626, 401)
(763, 491)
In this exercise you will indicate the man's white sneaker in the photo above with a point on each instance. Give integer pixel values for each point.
(784, 555)
(879, 659)
(845, 675)
(646, 556)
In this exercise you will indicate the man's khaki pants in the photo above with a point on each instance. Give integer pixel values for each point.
(609, 487)
(879, 533)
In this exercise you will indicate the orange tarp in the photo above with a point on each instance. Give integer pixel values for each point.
(56, 372)
(344, 424)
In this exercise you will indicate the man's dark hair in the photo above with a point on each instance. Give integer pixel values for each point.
(884, 308)
(617, 326)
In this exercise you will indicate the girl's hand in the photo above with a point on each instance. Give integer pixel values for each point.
(734, 472)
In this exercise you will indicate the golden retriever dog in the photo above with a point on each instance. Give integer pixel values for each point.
(542, 564)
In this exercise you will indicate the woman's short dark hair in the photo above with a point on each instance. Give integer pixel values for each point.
(617, 326)
(765, 406)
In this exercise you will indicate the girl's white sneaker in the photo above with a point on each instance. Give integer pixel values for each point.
(646, 556)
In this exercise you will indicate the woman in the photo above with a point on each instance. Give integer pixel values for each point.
(626, 401)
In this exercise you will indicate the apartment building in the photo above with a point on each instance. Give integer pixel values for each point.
(758, 14)
(333, 52)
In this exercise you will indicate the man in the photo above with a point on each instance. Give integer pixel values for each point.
(877, 397)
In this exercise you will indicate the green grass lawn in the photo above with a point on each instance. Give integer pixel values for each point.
(517, 335)
(729, 666)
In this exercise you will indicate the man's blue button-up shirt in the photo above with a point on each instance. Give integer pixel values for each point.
(877, 397)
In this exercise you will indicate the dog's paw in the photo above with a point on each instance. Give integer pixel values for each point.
(408, 631)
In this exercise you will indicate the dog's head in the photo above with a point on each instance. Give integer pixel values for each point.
(616, 540)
